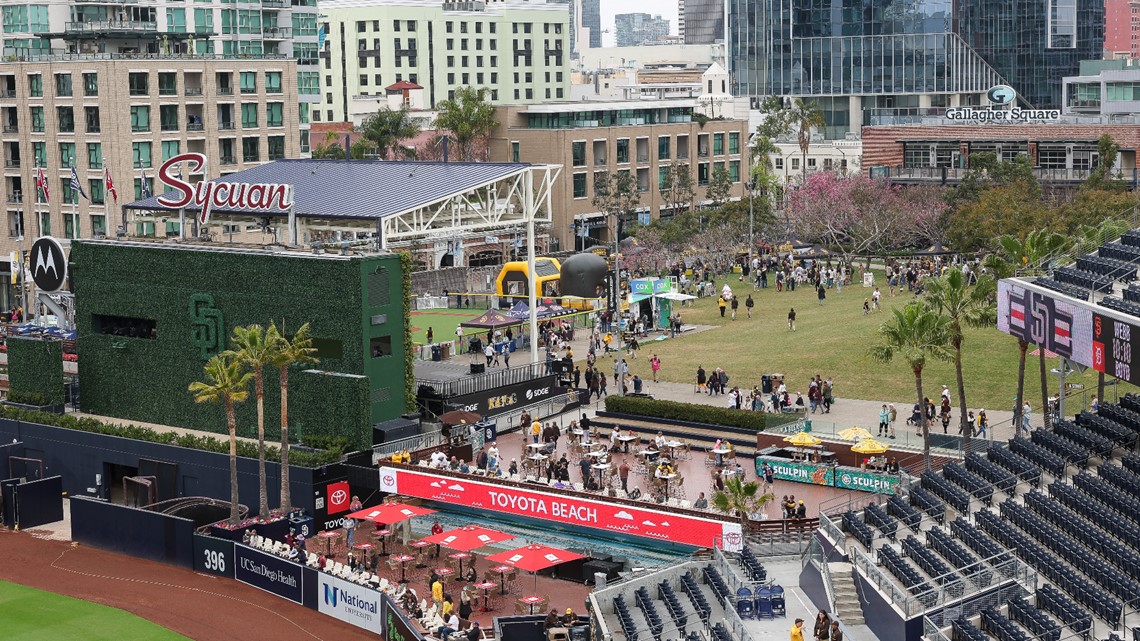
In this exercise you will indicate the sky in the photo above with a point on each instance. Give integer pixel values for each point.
(665, 8)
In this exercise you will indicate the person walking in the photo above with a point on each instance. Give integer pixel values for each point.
(1025, 410)
(701, 380)
(735, 305)
(722, 304)
(821, 293)
(792, 319)
(623, 474)
(798, 630)
(983, 422)
(602, 385)
(748, 305)
(655, 366)
(894, 417)
(884, 420)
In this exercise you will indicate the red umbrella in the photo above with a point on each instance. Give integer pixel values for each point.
(467, 538)
(390, 513)
(533, 558)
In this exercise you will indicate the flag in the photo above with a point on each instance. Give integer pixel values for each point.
(75, 184)
(109, 185)
(144, 186)
(41, 183)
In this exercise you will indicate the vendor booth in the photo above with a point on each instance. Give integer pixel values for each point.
(653, 298)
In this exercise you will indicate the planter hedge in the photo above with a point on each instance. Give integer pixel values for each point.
(673, 410)
(35, 371)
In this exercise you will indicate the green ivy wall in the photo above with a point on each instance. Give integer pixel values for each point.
(191, 293)
(35, 370)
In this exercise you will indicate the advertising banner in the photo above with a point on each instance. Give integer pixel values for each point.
(798, 471)
(268, 572)
(864, 481)
(1112, 347)
(571, 510)
(397, 627)
(349, 602)
(501, 400)
(213, 556)
(1046, 319)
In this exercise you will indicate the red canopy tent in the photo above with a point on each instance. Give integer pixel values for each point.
(389, 513)
(468, 537)
(533, 558)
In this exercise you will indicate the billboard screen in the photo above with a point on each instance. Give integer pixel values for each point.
(1060, 324)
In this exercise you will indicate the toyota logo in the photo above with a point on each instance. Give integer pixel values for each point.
(733, 538)
(389, 480)
(339, 496)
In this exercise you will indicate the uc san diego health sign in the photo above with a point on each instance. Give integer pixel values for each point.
(205, 194)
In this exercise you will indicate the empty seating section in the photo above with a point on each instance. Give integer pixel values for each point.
(1074, 551)
(1046, 563)
(1086, 531)
(1061, 606)
(696, 597)
(932, 565)
(645, 602)
(625, 618)
(1131, 462)
(999, 477)
(1117, 251)
(981, 544)
(1120, 305)
(1094, 510)
(1017, 464)
(903, 571)
(928, 503)
(1084, 280)
(673, 605)
(1131, 238)
(969, 481)
(1062, 447)
(1121, 478)
(752, 565)
(1063, 288)
(1000, 627)
(1112, 422)
(962, 630)
(874, 516)
(1114, 269)
(1123, 504)
(958, 556)
(1131, 402)
(1038, 455)
(903, 511)
(954, 496)
(714, 579)
(1083, 436)
(860, 530)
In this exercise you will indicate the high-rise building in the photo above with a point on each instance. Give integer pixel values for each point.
(592, 22)
(937, 54)
(635, 29)
(176, 29)
(681, 19)
(1122, 28)
(517, 49)
(703, 20)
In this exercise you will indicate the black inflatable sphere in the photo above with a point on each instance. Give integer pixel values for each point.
(582, 274)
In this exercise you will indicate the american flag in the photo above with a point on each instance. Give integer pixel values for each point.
(42, 183)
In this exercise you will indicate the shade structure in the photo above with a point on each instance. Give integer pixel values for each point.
(870, 446)
(855, 433)
(491, 319)
(459, 417)
(468, 537)
(802, 439)
(389, 513)
(534, 557)
(937, 249)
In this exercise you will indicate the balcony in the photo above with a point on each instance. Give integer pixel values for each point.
(169, 126)
(107, 27)
(277, 33)
(7, 93)
(225, 126)
(642, 157)
(274, 4)
(12, 163)
(225, 91)
(11, 129)
(195, 126)
(193, 91)
(228, 160)
(954, 175)
(15, 198)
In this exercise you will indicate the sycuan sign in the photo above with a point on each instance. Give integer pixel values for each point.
(252, 197)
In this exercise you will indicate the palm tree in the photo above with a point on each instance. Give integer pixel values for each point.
(1022, 347)
(804, 117)
(287, 353)
(387, 128)
(741, 497)
(255, 350)
(915, 333)
(963, 305)
(227, 383)
(469, 117)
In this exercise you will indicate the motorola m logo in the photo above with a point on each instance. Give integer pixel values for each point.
(1001, 95)
(532, 394)
(48, 264)
(42, 263)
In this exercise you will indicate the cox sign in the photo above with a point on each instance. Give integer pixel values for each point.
(349, 602)
(206, 194)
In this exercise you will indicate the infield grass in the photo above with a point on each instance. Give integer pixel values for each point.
(28, 614)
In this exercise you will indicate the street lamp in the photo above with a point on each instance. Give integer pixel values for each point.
(751, 185)
(616, 298)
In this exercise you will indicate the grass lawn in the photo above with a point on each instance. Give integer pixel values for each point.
(833, 340)
(33, 615)
(442, 321)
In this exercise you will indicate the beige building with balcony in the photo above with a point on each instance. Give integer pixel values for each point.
(644, 137)
(128, 114)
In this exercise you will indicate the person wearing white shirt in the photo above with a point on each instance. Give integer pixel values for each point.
(660, 441)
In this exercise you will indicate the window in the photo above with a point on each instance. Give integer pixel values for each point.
(36, 86)
(249, 116)
(578, 148)
(140, 118)
(169, 149)
(15, 224)
(39, 151)
(734, 171)
(91, 115)
(141, 152)
(249, 21)
(514, 151)
(304, 24)
(795, 163)
(38, 120)
(139, 190)
(249, 82)
(272, 82)
(702, 173)
(274, 114)
(139, 84)
(94, 155)
(1062, 15)
(204, 21)
(175, 20)
(663, 148)
(308, 83)
(168, 117)
(1122, 90)
(229, 21)
(67, 154)
(662, 177)
(90, 84)
(622, 150)
(734, 142)
(303, 113)
(276, 147)
(144, 229)
(67, 194)
(250, 149)
(167, 84)
(66, 118)
(98, 225)
(45, 224)
(580, 185)
(70, 222)
(779, 162)
(95, 190)
(718, 144)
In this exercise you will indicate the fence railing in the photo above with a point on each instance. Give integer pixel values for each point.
(486, 381)
(817, 556)
(411, 443)
(1110, 230)
(779, 543)
(832, 530)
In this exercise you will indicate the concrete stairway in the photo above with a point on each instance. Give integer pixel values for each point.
(847, 607)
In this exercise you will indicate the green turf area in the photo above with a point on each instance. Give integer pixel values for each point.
(33, 615)
(443, 321)
(832, 340)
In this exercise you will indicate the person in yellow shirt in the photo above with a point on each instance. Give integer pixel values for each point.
(798, 630)
(437, 591)
(535, 430)
(448, 606)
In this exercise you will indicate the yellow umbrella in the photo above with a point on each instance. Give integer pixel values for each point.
(802, 439)
(854, 434)
(870, 446)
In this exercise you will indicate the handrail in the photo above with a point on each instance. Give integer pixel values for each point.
(833, 531)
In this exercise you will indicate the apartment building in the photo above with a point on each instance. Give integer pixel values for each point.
(519, 50)
(644, 137)
(125, 116)
(177, 30)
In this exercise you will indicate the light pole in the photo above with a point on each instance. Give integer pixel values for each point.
(616, 298)
(751, 185)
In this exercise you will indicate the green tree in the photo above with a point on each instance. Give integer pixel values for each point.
(255, 349)
(677, 190)
(962, 305)
(615, 194)
(287, 353)
(1012, 209)
(803, 117)
(387, 129)
(227, 382)
(915, 333)
(719, 187)
(1101, 177)
(741, 498)
(469, 117)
